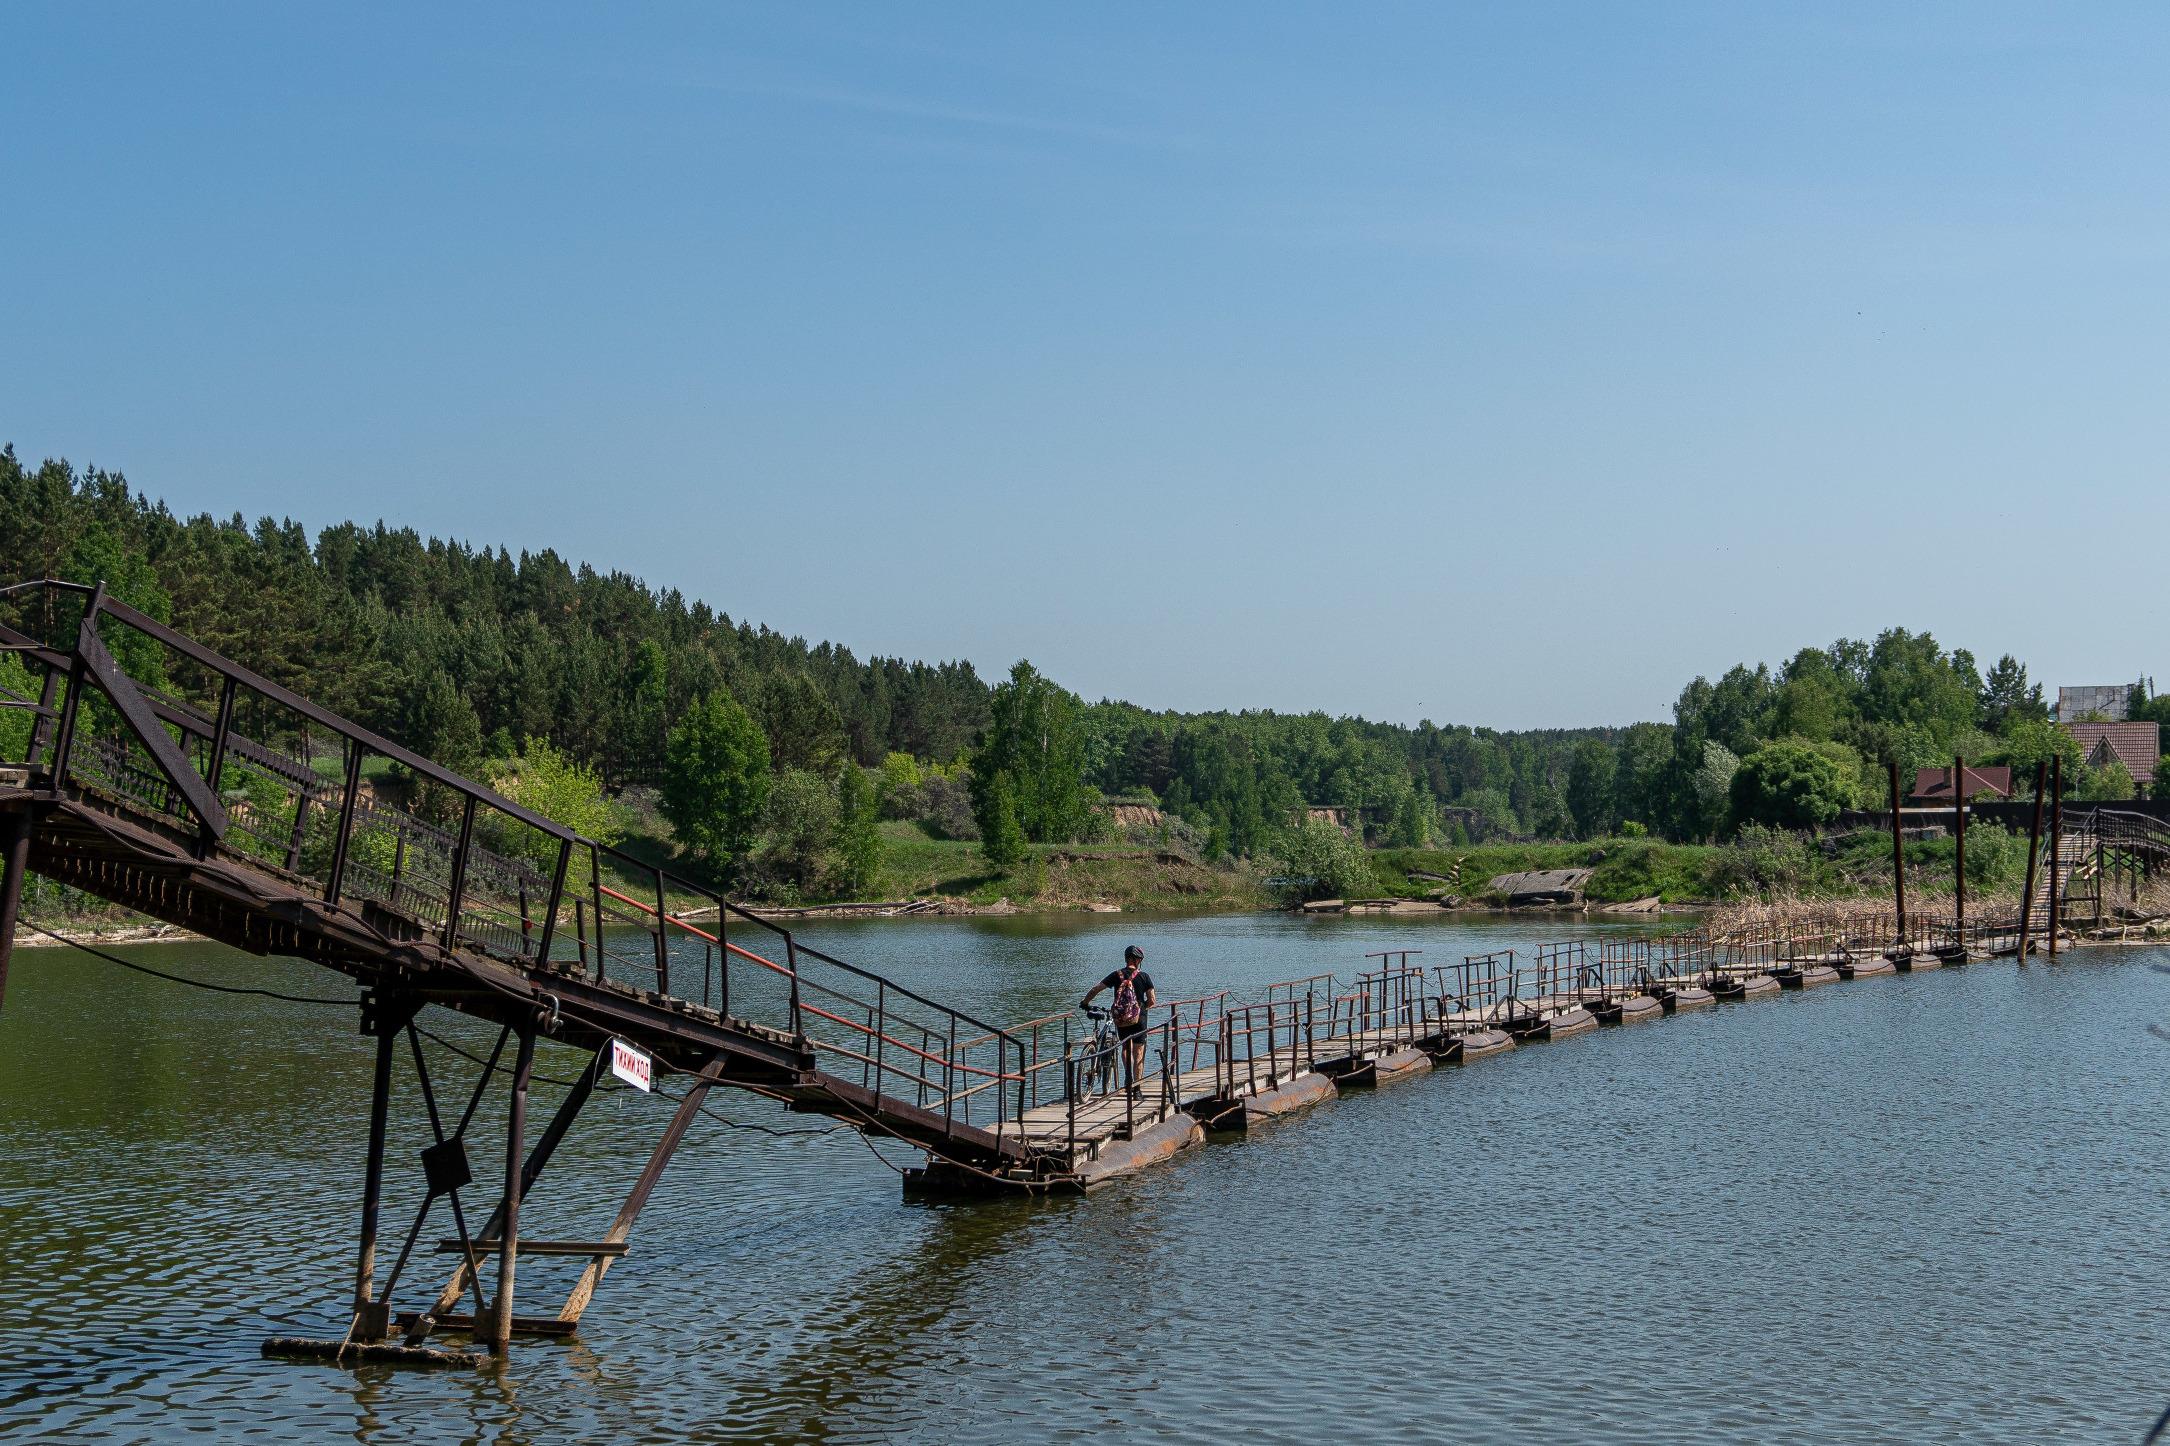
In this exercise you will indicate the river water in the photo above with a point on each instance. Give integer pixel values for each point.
(1928, 1207)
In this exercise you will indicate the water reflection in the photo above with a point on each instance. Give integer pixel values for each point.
(1812, 1219)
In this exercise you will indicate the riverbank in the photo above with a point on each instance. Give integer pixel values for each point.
(1627, 877)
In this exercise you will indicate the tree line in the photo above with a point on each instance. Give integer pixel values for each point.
(775, 758)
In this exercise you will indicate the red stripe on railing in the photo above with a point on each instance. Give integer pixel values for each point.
(673, 919)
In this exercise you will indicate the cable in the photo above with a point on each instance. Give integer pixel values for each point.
(178, 979)
(431, 1035)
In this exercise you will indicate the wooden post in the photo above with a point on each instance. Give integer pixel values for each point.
(2056, 848)
(2034, 848)
(508, 1239)
(1959, 833)
(1898, 864)
(15, 841)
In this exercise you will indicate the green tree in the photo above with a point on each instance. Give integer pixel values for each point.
(715, 781)
(2162, 777)
(2006, 696)
(442, 726)
(546, 781)
(17, 685)
(804, 728)
(2028, 741)
(1035, 741)
(1412, 821)
(2143, 707)
(799, 827)
(1790, 784)
(2108, 784)
(858, 833)
(1712, 788)
(995, 806)
(98, 554)
(1590, 788)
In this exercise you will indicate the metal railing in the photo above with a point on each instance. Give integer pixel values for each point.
(244, 770)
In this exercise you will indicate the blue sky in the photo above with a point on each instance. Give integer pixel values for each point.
(1505, 365)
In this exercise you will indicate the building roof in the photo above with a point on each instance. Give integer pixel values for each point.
(2108, 699)
(2136, 745)
(1935, 783)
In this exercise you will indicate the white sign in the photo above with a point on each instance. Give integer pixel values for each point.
(630, 1065)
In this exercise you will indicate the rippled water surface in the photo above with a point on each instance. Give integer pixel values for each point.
(1926, 1207)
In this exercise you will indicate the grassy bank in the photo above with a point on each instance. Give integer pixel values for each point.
(1760, 863)
(1625, 869)
(1062, 876)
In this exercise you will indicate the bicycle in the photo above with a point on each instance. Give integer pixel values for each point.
(1095, 1062)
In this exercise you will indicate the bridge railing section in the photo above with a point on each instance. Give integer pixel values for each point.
(171, 734)
(1264, 1044)
(1478, 993)
(1381, 1007)
(1563, 972)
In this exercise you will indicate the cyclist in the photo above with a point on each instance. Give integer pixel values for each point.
(1133, 989)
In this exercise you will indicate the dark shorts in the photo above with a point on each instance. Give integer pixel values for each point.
(1128, 1032)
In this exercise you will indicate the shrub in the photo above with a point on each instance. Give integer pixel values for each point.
(1790, 784)
(1995, 855)
(1764, 860)
(1322, 862)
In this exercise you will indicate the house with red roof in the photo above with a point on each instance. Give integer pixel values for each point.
(2132, 746)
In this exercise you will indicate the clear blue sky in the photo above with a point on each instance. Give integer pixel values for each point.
(1504, 365)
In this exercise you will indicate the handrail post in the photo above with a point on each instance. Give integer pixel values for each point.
(881, 1012)
(723, 957)
(41, 729)
(595, 883)
(343, 838)
(64, 742)
(663, 943)
(949, 1081)
(221, 734)
(557, 901)
(798, 1019)
(459, 873)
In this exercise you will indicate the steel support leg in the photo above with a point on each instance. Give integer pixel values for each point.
(508, 1240)
(372, 1317)
(621, 1229)
(15, 845)
(561, 1122)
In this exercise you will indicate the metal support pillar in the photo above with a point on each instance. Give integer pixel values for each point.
(15, 844)
(1959, 833)
(2034, 849)
(508, 1239)
(2056, 849)
(560, 1122)
(1898, 864)
(372, 1317)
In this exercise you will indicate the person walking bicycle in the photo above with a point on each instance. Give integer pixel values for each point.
(1133, 989)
